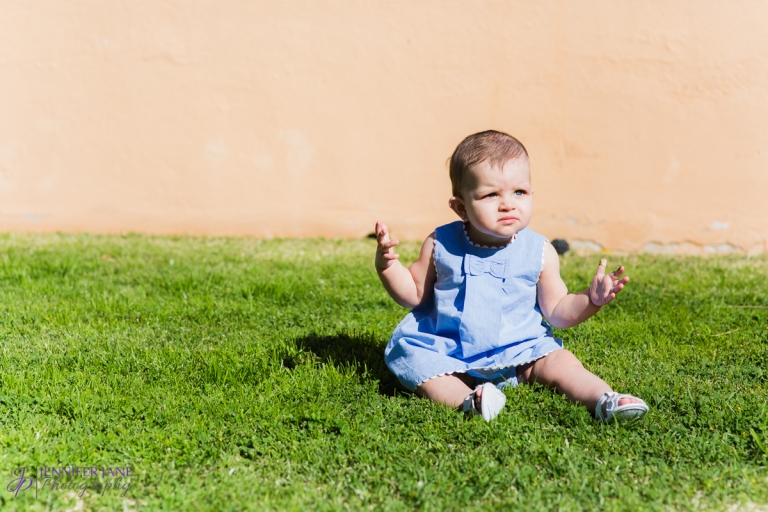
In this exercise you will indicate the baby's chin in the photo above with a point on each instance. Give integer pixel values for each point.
(495, 237)
(506, 229)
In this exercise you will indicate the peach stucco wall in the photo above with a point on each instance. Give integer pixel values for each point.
(646, 121)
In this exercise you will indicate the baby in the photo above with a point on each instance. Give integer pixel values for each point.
(480, 290)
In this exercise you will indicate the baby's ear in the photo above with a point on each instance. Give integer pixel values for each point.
(457, 205)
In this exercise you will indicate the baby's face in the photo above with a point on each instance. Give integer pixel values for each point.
(497, 203)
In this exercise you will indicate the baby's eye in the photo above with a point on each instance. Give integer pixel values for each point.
(519, 192)
(492, 194)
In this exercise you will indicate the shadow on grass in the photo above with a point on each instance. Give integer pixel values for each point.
(361, 352)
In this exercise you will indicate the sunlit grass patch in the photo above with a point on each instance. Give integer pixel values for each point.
(247, 374)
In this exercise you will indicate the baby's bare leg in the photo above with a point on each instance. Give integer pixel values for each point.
(450, 390)
(561, 370)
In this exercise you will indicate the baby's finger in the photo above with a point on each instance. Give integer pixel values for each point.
(616, 273)
(601, 268)
(382, 235)
(605, 297)
(391, 256)
(389, 244)
(623, 280)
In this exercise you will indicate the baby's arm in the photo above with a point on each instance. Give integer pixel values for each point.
(563, 309)
(408, 286)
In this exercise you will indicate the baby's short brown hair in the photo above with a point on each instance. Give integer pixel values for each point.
(496, 147)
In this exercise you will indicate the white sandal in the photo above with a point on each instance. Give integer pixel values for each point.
(616, 412)
(491, 402)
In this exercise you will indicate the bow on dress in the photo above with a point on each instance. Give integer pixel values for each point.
(484, 293)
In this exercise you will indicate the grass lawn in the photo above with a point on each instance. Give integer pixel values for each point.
(235, 374)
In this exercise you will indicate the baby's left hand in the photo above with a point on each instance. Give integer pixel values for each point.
(604, 288)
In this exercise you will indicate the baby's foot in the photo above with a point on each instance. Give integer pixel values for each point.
(625, 401)
(490, 406)
(613, 406)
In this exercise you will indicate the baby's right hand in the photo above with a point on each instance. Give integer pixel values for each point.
(385, 254)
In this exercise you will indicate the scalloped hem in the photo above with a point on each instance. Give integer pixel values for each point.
(492, 367)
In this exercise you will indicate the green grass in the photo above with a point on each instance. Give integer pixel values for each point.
(240, 374)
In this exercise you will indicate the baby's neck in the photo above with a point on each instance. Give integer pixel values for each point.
(482, 239)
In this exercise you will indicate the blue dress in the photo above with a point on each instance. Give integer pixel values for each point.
(483, 317)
